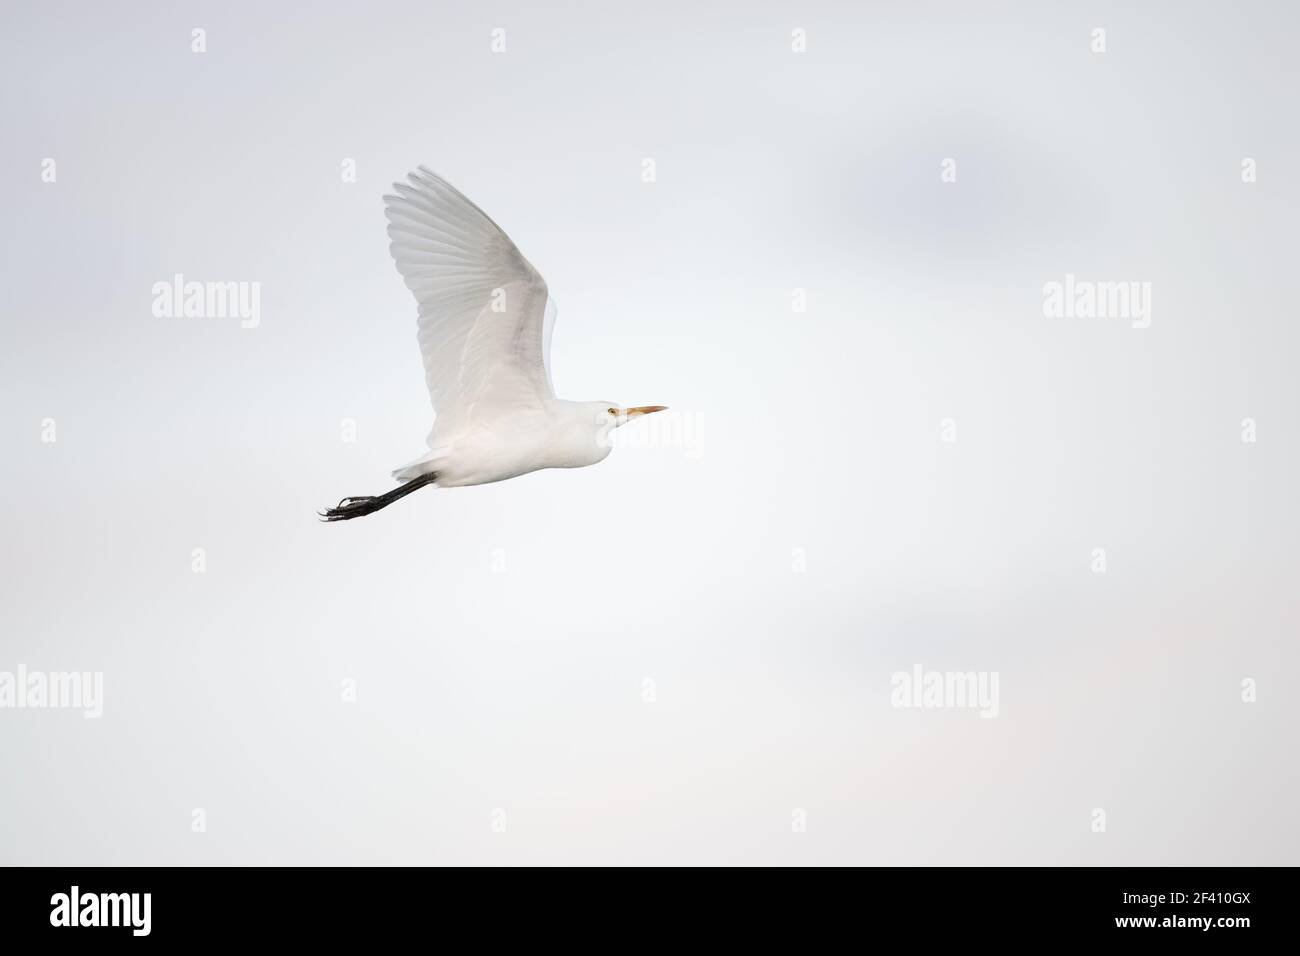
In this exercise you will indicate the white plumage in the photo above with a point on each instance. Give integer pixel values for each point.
(485, 320)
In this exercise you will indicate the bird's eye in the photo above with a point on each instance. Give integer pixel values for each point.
(614, 412)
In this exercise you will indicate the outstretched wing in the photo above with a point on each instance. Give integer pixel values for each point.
(484, 312)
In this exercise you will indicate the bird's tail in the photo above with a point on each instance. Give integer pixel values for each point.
(426, 462)
(357, 507)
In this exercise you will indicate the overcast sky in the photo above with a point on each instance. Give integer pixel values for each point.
(822, 233)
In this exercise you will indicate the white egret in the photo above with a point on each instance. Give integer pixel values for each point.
(485, 320)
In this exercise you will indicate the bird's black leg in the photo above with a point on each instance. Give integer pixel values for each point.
(366, 505)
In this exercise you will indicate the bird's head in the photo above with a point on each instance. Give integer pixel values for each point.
(621, 416)
(607, 415)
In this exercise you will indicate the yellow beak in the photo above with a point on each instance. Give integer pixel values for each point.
(631, 413)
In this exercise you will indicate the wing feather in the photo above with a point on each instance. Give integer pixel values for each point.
(484, 311)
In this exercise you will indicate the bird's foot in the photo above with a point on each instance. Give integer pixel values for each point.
(349, 508)
(369, 504)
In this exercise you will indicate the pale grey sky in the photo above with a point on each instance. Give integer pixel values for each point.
(685, 653)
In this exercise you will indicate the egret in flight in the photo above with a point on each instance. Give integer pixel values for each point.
(485, 320)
